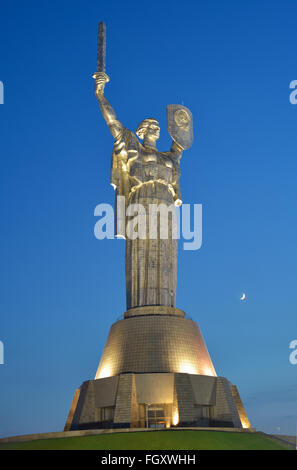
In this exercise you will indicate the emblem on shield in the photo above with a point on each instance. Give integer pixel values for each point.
(180, 125)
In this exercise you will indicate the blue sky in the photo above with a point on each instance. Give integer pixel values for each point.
(231, 63)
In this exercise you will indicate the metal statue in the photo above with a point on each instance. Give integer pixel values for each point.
(146, 176)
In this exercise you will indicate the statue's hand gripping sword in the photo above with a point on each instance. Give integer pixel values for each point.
(100, 76)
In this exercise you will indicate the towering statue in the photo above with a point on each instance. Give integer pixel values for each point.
(155, 369)
(145, 176)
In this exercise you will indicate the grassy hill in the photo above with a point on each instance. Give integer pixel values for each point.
(157, 440)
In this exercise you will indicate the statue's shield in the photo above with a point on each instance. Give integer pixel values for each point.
(180, 125)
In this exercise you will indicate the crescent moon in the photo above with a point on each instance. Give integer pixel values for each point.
(243, 297)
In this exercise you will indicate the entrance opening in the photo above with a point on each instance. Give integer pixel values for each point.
(203, 414)
(105, 416)
(156, 416)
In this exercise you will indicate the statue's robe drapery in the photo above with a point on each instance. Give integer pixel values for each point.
(146, 176)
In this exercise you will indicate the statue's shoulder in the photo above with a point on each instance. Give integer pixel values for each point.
(126, 140)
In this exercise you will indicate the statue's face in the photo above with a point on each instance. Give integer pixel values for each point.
(153, 131)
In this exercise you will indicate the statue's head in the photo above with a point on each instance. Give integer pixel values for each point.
(148, 127)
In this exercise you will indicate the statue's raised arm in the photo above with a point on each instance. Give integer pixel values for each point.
(107, 110)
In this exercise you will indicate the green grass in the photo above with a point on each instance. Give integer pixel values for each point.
(156, 440)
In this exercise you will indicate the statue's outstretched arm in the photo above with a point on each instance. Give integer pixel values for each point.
(176, 149)
(107, 110)
(176, 154)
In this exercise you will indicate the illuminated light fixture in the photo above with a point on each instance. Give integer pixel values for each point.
(244, 424)
(175, 418)
(105, 372)
(208, 371)
(187, 368)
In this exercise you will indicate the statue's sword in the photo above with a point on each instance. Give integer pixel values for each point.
(101, 50)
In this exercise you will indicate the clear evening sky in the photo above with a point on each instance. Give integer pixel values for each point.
(231, 63)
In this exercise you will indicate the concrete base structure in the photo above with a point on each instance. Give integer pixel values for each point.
(156, 401)
(156, 372)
